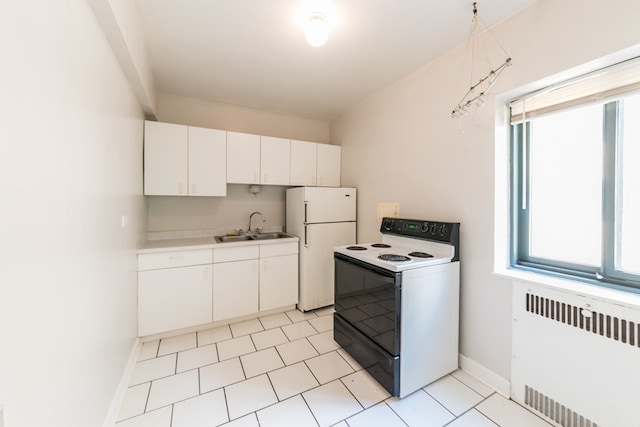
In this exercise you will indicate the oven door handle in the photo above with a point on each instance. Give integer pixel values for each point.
(306, 236)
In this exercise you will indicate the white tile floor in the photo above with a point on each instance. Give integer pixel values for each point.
(286, 370)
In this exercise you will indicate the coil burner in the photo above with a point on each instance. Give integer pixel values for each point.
(394, 257)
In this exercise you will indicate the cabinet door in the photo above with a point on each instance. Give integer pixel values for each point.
(165, 159)
(174, 298)
(328, 166)
(303, 163)
(243, 158)
(278, 282)
(235, 289)
(207, 162)
(275, 155)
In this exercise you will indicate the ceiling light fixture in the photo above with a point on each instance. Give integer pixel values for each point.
(316, 29)
(477, 93)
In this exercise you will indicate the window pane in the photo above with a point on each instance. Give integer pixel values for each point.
(566, 186)
(628, 256)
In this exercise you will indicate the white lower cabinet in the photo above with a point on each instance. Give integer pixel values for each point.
(235, 289)
(182, 289)
(174, 297)
(235, 281)
(278, 275)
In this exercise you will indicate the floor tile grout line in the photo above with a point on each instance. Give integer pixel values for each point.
(465, 384)
(397, 414)
(309, 408)
(226, 404)
(436, 400)
(469, 410)
(484, 399)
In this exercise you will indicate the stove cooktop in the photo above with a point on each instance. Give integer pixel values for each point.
(399, 253)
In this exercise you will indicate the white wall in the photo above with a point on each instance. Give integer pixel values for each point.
(401, 145)
(70, 166)
(197, 112)
(120, 23)
(232, 211)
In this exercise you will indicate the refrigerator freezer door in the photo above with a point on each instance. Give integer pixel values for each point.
(316, 262)
(329, 204)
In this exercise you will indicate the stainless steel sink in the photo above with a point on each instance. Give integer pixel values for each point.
(246, 237)
(227, 239)
(267, 236)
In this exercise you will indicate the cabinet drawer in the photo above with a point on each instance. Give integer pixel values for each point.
(236, 253)
(278, 249)
(174, 259)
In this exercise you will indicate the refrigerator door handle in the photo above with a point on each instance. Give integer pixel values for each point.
(306, 239)
(306, 212)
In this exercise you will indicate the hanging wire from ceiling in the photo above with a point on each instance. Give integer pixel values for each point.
(478, 88)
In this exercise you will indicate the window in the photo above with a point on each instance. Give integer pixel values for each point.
(575, 178)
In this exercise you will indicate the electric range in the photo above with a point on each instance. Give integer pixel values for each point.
(396, 303)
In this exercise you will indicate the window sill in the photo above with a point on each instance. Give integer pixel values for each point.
(629, 299)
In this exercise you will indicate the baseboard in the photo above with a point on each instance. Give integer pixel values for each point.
(487, 376)
(121, 391)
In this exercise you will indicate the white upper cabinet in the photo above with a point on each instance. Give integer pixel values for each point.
(243, 158)
(303, 163)
(328, 165)
(275, 159)
(207, 162)
(184, 161)
(165, 159)
(192, 161)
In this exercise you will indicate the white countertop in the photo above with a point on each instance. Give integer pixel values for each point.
(191, 243)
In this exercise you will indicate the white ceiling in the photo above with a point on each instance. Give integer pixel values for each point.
(253, 52)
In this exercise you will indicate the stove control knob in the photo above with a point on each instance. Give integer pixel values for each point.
(443, 229)
(434, 228)
(387, 223)
(425, 227)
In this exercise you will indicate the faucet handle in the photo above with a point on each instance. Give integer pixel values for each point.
(239, 231)
(259, 230)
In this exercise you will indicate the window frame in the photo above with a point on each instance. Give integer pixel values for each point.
(604, 275)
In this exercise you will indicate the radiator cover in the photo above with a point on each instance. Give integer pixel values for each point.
(575, 359)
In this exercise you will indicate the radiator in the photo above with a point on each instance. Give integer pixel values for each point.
(576, 359)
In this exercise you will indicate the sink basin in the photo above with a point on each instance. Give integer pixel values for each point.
(245, 237)
(226, 239)
(266, 236)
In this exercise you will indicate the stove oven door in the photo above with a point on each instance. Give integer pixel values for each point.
(367, 317)
(368, 298)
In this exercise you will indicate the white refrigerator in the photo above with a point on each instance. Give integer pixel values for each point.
(323, 218)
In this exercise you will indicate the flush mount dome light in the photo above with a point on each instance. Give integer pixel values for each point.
(317, 29)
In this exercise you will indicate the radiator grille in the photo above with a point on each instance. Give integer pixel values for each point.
(554, 410)
(605, 325)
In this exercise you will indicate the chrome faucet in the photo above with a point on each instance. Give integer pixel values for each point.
(251, 217)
